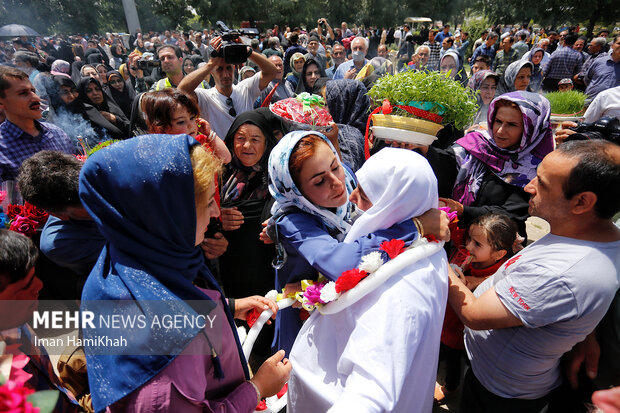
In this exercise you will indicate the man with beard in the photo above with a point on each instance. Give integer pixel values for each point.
(171, 58)
(22, 134)
(553, 293)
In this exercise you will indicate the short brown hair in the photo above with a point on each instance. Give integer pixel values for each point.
(157, 107)
(7, 77)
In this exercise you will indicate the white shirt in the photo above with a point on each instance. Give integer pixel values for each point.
(215, 110)
(606, 103)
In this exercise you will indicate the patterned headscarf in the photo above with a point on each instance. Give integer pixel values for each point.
(510, 75)
(61, 68)
(287, 195)
(477, 152)
(475, 83)
(537, 74)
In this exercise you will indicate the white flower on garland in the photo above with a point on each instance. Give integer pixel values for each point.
(328, 292)
(272, 295)
(371, 262)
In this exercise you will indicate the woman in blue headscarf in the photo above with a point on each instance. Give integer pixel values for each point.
(312, 215)
(152, 197)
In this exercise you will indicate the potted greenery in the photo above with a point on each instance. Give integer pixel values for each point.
(567, 105)
(414, 106)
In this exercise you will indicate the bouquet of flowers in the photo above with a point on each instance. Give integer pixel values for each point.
(25, 219)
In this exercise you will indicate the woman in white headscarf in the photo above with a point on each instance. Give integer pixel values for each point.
(379, 353)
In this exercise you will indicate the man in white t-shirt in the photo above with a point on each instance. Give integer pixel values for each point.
(221, 105)
(552, 294)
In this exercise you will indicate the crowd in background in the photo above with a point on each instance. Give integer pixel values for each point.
(61, 96)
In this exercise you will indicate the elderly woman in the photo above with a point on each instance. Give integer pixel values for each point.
(536, 57)
(152, 197)
(486, 82)
(516, 77)
(91, 92)
(494, 166)
(451, 63)
(297, 63)
(246, 265)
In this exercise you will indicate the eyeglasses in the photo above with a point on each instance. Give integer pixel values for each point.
(232, 112)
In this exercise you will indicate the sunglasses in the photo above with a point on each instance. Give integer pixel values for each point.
(232, 112)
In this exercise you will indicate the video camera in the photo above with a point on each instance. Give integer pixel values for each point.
(607, 128)
(146, 64)
(233, 52)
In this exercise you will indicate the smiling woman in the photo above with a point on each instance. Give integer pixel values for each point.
(246, 265)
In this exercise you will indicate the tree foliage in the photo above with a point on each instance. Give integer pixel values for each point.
(76, 16)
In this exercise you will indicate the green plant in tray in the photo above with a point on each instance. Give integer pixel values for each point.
(566, 103)
(458, 103)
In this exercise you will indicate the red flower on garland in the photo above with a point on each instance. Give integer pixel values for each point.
(393, 248)
(24, 225)
(350, 279)
(252, 316)
(282, 391)
(261, 406)
(36, 214)
(431, 238)
(14, 210)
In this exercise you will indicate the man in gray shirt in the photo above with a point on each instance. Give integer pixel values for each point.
(552, 294)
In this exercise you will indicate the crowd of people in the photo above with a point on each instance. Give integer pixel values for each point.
(201, 193)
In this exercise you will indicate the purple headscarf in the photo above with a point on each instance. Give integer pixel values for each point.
(477, 152)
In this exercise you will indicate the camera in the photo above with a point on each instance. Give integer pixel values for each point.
(233, 53)
(144, 64)
(607, 128)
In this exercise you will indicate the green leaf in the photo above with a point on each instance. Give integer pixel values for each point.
(45, 400)
(458, 101)
(566, 103)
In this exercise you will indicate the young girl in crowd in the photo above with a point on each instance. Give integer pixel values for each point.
(172, 112)
(491, 240)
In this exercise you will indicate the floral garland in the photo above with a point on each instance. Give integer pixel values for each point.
(315, 294)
